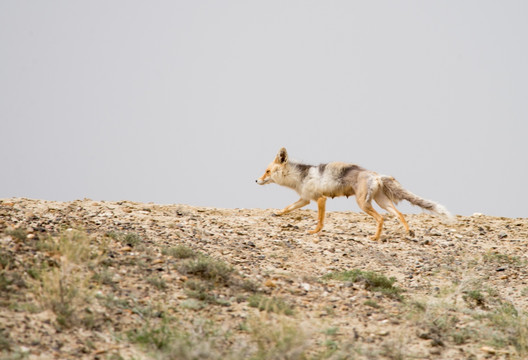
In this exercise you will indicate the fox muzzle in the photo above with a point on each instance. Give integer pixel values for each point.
(263, 181)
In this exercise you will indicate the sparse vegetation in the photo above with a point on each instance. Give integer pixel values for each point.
(372, 304)
(18, 233)
(371, 280)
(64, 288)
(180, 252)
(474, 296)
(104, 276)
(5, 259)
(270, 304)
(157, 282)
(202, 290)
(206, 268)
(5, 341)
(278, 338)
(5, 281)
(129, 239)
(502, 259)
(155, 337)
(510, 327)
(499, 324)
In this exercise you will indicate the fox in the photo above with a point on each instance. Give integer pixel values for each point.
(334, 179)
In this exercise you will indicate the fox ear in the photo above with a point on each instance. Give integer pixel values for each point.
(282, 156)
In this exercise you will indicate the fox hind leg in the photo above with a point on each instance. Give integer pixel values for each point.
(385, 203)
(366, 206)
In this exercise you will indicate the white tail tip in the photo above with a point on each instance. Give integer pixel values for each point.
(448, 217)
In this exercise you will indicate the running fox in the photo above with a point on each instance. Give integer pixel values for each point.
(341, 179)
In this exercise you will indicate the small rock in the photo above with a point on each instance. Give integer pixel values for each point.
(489, 350)
(269, 283)
(502, 235)
(435, 351)
(305, 286)
(437, 342)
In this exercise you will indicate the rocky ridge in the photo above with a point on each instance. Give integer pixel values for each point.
(266, 289)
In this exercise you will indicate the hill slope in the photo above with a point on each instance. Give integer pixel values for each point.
(122, 280)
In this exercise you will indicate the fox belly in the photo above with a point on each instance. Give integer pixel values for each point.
(317, 185)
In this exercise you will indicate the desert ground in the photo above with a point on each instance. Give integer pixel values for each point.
(124, 280)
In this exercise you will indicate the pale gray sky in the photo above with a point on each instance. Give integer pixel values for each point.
(188, 101)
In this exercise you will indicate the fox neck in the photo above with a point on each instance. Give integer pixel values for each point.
(291, 177)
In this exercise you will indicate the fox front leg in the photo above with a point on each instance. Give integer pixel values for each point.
(296, 205)
(321, 206)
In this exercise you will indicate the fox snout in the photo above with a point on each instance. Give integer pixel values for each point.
(265, 179)
(262, 181)
(273, 169)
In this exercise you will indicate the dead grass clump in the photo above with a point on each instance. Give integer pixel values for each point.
(70, 247)
(509, 328)
(278, 337)
(481, 318)
(64, 287)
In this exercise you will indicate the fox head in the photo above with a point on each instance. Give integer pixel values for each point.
(275, 170)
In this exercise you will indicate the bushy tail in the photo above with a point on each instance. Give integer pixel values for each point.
(396, 193)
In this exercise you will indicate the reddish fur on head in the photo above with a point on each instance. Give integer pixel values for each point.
(275, 166)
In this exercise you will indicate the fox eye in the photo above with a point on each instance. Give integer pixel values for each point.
(267, 171)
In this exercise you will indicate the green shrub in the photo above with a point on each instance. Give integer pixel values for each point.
(371, 280)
